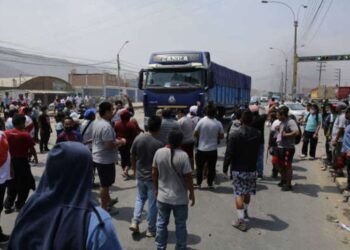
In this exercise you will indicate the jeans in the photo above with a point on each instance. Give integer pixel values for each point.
(309, 137)
(209, 157)
(181, 215)
(260, 161)
(146, 192)
(44, 139)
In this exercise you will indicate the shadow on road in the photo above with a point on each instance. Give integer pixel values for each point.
(275, 224)
(192, 239)
(124, 213)
(312, 190)
(299, 169)
(229, 190)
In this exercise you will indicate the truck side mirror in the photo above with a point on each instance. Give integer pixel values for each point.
(140, 84)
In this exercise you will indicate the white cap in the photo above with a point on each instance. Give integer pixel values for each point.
(193, 110)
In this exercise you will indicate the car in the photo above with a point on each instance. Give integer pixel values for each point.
(296, 109)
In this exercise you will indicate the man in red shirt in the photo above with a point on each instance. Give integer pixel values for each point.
(21, 145)
(128, 130)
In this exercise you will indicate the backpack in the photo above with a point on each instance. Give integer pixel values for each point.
(298, 137)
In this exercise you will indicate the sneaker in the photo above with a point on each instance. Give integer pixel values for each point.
(287, 188)
(240, 225)
(302, 156)
(312, 158)
(260, 177)
(134, 227)
(246, 215)
(4, 239)
(281, 183)
(150, 234)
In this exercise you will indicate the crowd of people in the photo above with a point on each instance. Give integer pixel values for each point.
(163, 159)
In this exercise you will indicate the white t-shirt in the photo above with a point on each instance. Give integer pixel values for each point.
(30, 126)
(5, 173)
(186, 128)
(340, 122)
(209, 131)
(274, 125)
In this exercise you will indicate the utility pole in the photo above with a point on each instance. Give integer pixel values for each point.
(282, 89)
(320, 67)
(337, 76)
(295, 60)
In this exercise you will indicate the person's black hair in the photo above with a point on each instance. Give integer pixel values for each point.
(68, 118)
(118, 102)
(59, 117)
(211, 110)
(166, 113)
(26, 110)
(238, 114)
(175, 138)
(317, 109)
(347, 110)
(12, 112)
(309, 104)
(283, 111)
(247, 117)
(2, 124)
(273, 99)
(69, 103)
(18, 120)
(273, 116)
(104, 107)
(154, 123)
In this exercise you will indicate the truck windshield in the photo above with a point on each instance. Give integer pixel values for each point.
(169, 79)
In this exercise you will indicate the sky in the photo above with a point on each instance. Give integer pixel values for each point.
(237, 33)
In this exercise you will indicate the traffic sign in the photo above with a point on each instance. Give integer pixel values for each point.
(324, 58)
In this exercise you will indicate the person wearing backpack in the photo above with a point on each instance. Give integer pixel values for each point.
(172, 178)
(313, 123)
(286, 139)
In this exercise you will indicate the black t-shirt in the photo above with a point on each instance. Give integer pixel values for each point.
(259, 124)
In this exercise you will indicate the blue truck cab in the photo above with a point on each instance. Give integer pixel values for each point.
(178, 80)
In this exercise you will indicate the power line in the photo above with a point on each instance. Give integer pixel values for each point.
(324, 18)
(313, 19)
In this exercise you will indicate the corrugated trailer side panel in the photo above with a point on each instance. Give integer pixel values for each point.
(230, 87)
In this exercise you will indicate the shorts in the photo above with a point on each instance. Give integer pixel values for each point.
(124, 152)
(285, 157)
(244, 183)
(106, 173)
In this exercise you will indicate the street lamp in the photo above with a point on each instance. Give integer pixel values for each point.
(118, 61)
(295, 57)
(285, 70)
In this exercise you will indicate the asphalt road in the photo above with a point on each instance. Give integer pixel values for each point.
(302, 219)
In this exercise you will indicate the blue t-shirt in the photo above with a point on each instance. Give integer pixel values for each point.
(311, 123)
(102, 237)
(346, 140)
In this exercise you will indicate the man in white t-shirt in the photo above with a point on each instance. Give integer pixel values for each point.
(208, 131)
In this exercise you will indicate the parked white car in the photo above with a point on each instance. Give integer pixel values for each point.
(296, 109)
